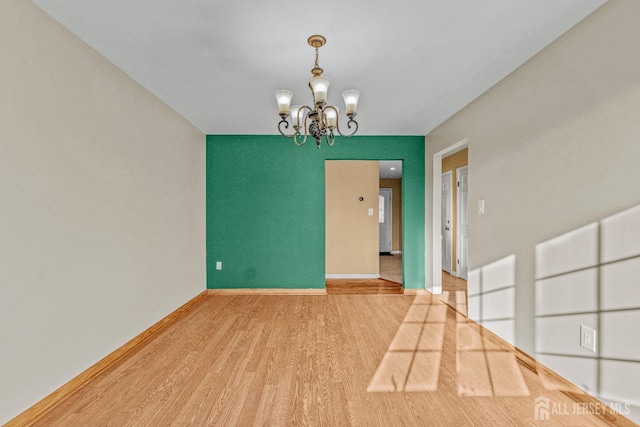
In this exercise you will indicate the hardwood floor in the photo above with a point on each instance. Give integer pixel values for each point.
(453, 284)
(333, 360)
(391, 267)
(390, 281)
(454, 292)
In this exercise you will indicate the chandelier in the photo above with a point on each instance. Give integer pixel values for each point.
(321, 120)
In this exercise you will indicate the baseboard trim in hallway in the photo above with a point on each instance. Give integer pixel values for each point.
(40, 409)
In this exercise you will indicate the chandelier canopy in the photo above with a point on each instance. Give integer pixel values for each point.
(321, 120)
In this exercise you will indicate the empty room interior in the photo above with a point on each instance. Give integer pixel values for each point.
(453, 241)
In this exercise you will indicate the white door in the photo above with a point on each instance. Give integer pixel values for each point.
(384, 215)
(447, 196)
(463, 221)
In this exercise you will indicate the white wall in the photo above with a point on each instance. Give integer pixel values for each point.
(102, 207)
(554, 147)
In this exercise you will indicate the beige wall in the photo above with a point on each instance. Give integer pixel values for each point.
(351, 234)
(102, 207)
(396, 212)
(451, 163)
(554, 146)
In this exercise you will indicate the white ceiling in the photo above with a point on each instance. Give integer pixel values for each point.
(416, 62)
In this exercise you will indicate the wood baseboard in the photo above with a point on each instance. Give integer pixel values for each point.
(265, 291)
(38, 410)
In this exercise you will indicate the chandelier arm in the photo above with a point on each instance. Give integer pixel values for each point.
(302, 108)
(306, 118)
(286, 126)
(348, 126)
(330, 138)
(295, 139)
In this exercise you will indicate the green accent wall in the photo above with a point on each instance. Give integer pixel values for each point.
(266, 214)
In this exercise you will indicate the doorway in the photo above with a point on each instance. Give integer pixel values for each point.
(450, 272)
(385, 197)
(390, 182)
(363, 221)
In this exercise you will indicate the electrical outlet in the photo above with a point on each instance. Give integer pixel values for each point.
(218, 265)
(588, 338)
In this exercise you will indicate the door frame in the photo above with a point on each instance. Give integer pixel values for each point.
(388, 212)
(448, 176)
(459, 245)
(436, 218)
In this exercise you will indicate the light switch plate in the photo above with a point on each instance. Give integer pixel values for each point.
(480, 207)
(370, 211)
(218, 265)
(588, 338)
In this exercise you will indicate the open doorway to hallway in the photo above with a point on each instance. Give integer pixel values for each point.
(390, 219)
(454, 227)
(363, 229)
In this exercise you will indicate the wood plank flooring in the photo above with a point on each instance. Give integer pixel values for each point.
(390, 281)
(332, 360)
(454, 292)
(453, 284)
(391, 267)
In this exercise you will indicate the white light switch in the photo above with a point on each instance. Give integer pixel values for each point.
(588, 338)
(370, 211)
(218, 265)
(480, 207)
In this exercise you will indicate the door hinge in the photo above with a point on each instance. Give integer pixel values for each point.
(458, 262)
(458, 183)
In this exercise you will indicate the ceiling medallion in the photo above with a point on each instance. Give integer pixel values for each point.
(321, 120)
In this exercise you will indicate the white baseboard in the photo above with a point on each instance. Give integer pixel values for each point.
(352, 276)
(396, 252)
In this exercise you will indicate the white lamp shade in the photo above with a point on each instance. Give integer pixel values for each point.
(320, 88)
(351, 97)
(331, 117)
(294, 114)
(283, 97)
